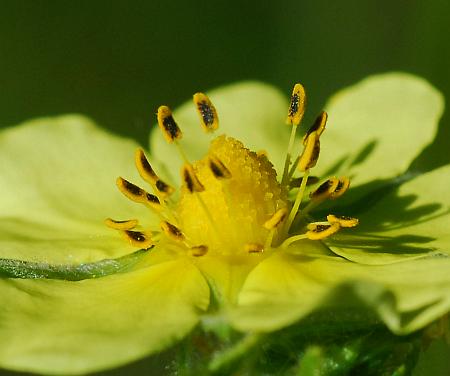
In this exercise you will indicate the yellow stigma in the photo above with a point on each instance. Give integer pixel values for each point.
(239, 206)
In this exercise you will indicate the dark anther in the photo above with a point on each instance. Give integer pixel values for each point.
(161, 186)
(218, 169)
(218, 173)
(296, 182)
(321, 228)
(324, 187)
(175, 231)
(293, 108)
(188, 181)
(146, 165)
(133, 189)
(136, 235)
(318, 125)
(339, 186)
(206, 112)
(171, 126)
(152, 198)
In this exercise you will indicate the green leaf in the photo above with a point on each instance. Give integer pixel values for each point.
(410, 221)
(285, 288)
(57, 187)
(378, 126)
(252, 112)
(61, 327)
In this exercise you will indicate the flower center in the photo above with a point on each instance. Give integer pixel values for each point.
(231, 203)
(238, 206)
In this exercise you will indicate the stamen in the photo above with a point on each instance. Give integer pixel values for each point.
(198, 251)
(138, 239)
(190, 179)
(295, 183)
(144, 168)
(148, 174)
(293, 168)
(342, 187)
(318, 126)
(121, 225)
(298, 201)
(343, 220)
(295, 115)
(254, 248)
(325, 190)
(310, 154)
(276, 219)
(164, 188)
(194, 185)
(224, 202)
(292, 239)
(173, 232)
(136, 194)
(182, 153)
(272, 223)
(297, 105)
(218, 168)
(207, 112)
(168, 125)
(321, 231)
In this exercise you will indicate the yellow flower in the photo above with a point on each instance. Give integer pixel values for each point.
(239, 245)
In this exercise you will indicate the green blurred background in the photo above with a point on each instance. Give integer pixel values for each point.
(116, 61)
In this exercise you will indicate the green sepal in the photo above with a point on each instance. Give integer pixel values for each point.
(10, 268)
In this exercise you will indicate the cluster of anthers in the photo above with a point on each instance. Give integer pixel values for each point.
(231, 203)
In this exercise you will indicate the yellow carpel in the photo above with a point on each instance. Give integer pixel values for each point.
(239, 206)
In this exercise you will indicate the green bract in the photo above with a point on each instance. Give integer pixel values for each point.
(76, 298)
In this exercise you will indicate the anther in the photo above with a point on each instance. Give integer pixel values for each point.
(343, 220)
(190, 179)
(310, 154)
(121, 225)
(172, 231)
(218, 169)
(324, 190)
(138, 239)
(168, 125)
(276, 219)
(321, 231)
(143, 166)
(149, 175)
(198, 251)
(164, 188)
(295, 115)
(136, 194)
(297, 105)
(296, 182)
(341, 188)
(254, 248)
(207, 112)
(318, 126)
